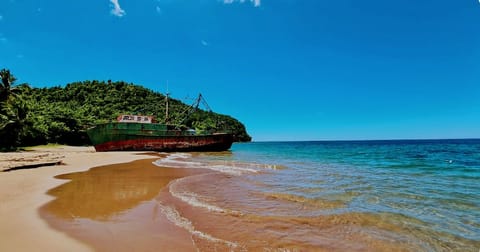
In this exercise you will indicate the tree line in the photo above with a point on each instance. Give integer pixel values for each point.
(32, 116)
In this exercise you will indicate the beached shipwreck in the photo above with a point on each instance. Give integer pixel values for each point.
(143, 133)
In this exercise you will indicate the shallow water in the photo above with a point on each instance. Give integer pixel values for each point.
(294, 196)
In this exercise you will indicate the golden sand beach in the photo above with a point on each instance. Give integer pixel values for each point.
(23, 192)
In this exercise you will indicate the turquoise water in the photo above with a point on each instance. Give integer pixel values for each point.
(431, 186)
(436, 182)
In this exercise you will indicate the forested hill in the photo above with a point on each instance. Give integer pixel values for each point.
(62, 114)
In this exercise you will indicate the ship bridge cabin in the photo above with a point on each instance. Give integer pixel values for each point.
(135, 119)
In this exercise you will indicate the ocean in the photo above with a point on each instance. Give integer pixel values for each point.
(409, 195)
(416, 195)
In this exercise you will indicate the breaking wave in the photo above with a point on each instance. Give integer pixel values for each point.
(182, 222)
(185, 160)
(190, 197)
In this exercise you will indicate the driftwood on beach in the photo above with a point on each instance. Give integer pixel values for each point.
(39, 156)
(33, 165)
(28, 160)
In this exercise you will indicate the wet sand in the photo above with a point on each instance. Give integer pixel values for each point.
(23, 192)
(114, 208)
(128, 207)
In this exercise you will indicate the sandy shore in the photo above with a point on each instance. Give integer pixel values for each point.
(23, 192)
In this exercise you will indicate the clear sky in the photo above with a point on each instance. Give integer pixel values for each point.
(288, 69)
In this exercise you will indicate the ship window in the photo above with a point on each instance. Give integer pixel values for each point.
(126, 118)
(139, 118)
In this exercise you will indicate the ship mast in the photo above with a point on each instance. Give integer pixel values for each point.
(190, 110)
(166, 104)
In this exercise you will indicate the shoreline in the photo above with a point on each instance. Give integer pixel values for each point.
(24, 191)
(122, 201)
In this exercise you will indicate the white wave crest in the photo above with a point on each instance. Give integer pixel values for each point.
(177, 160)
(182, 222)
(191, 198)
(182, 160)
(232, 170)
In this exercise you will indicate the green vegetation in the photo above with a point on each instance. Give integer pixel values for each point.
(32, 116)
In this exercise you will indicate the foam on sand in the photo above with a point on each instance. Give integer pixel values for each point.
(182, 222)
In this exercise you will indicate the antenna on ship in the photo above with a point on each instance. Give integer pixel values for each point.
(166, 104)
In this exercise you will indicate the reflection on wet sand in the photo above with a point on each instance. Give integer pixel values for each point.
(106, 191)
(112, 207)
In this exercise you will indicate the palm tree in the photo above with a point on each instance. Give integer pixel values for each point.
(13, 112)
(7, 87)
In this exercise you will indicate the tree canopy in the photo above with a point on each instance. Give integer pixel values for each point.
(31, 116)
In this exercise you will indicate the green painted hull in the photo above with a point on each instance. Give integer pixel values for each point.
(154, 137)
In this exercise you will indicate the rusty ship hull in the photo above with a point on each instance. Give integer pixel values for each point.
(154, 137)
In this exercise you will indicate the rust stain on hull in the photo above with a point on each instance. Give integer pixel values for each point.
(220, 142)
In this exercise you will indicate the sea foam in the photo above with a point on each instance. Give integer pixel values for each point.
(183, 160)
(174, 216)
(190, 197)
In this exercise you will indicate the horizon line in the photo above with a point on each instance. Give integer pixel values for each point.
(370, 140)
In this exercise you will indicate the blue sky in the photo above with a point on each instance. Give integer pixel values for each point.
(288, 69)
